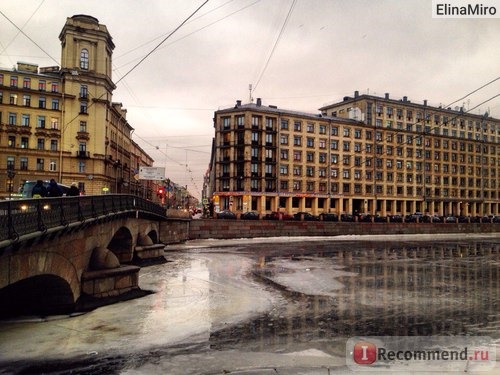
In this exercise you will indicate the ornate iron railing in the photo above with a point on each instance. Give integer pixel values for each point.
(26, 216)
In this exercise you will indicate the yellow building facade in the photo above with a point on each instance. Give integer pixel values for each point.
(383, 157)
(61, 122)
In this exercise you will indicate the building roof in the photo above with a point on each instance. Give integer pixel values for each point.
(402, 102)
(258, 107)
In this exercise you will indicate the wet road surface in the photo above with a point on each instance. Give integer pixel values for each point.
(270, 306)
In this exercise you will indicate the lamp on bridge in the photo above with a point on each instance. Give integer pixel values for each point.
(10, 174)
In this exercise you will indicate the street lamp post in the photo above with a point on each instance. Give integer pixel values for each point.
(10, 174)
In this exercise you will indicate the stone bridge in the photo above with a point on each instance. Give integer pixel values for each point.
(73, 253)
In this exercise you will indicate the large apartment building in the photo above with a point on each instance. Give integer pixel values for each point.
(365, 154)
(60, 122)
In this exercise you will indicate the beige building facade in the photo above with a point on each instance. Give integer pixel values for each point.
(61, 122)
(365, 154)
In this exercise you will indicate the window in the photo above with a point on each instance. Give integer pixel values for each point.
(226, 122)
(83, 126)
(39, 164)
(53, 165)
(284, 124)
(13, 99)
(335, 130)
(53, 145)
(40, 122)
(284, 169)
(42, 102)
(10, 162)
(23, 163)
(84, 59)
(26, 100)
(55, 87)
(297, 140)
(25, 120)
(310, 171)
(347, 132)
(310, 156)
(297, 126)
(310, 142)
(42, 86)
(12, 118)
(83, 107)
(11, 141)
(240, 121)
(40, 144)
(297, 155)
(54, 123)
(297, 170)
(13, 81)
(284, 154)
(269, 139)
(310, 128)
(81, 167)
(55, 104)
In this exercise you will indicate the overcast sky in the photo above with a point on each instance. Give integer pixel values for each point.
(327, 49)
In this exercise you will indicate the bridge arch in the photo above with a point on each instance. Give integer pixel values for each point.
(122, 244)
(40, 283)
(38, 295)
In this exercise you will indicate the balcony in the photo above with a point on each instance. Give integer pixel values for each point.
(83, 154)
(82, 136)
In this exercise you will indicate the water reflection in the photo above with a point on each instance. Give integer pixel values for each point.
(222, 304)
(387, 289)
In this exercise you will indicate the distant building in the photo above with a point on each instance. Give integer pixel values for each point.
(61, 122)
(365, 154)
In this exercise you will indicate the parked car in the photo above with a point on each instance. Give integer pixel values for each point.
(276, 216)
(305, 216)
(396, 219)
(328, 217)
(450, 219)
(27, 188)
(346, 217)
(226, 214)
(250, 215)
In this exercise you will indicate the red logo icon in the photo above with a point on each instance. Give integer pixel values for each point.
(364, 353)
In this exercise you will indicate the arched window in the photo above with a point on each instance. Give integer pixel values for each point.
(84, 59)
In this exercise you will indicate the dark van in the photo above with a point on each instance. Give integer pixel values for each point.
(27, 188)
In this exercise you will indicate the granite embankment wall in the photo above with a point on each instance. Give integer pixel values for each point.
(174, 231)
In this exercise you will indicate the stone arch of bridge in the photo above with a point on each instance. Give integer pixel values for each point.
(122, 244)
(40, 283)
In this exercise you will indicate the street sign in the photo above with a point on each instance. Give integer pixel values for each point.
(151, 173)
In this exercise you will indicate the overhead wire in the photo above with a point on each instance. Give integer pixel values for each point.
(29, 38)
(163, 41)
(276, 42)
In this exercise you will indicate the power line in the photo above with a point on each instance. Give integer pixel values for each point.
(275, 43)
(160, 36)
(202, 28)
(163, 40)
(31, 40)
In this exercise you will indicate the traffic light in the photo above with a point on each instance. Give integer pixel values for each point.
(160, 192)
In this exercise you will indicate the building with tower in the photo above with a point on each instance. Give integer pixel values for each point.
(61, 122)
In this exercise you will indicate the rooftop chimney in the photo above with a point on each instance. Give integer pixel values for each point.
(356, 93)
(425, 102)
(238, 103)
(259, 102)
(387, 95)
(405, 98)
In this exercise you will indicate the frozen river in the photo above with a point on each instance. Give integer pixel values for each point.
(259, 306)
